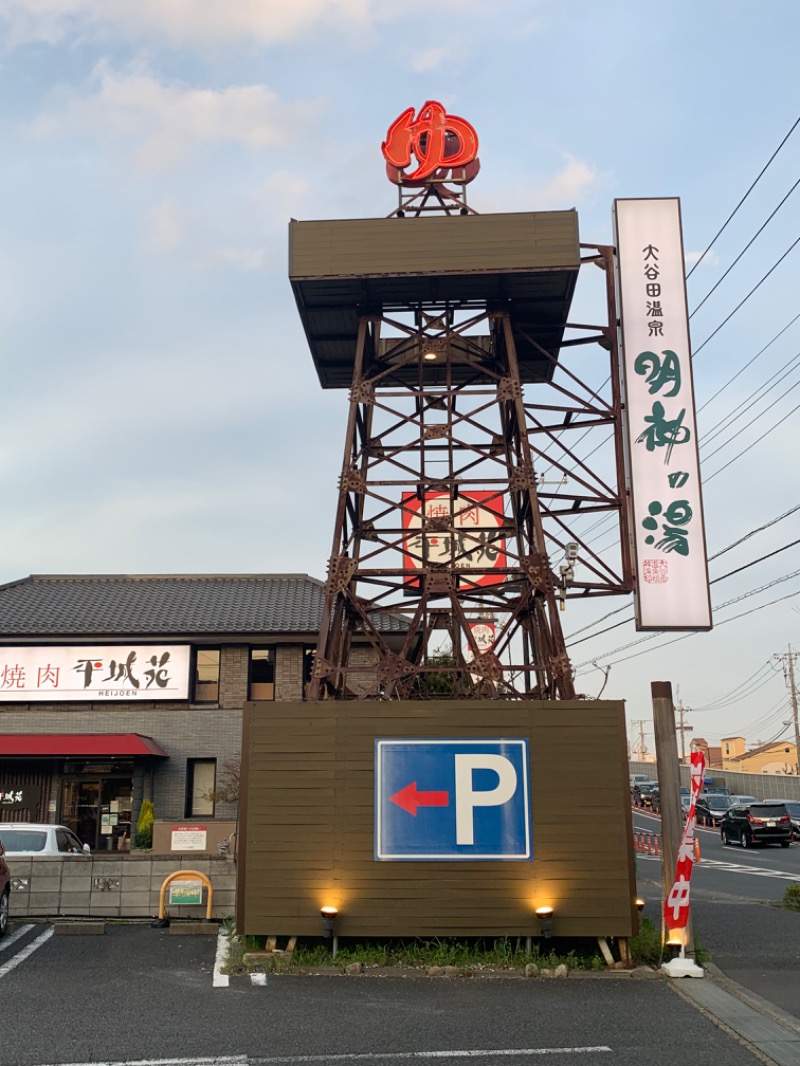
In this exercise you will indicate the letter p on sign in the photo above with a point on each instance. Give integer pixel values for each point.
(467, 798)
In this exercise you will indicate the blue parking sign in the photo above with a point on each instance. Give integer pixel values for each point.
(452, 799)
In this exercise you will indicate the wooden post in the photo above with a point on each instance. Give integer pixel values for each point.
(667, 768)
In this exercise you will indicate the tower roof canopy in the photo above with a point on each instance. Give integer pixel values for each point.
(525, 263)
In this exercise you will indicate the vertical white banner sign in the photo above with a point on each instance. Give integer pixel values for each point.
(669, 544)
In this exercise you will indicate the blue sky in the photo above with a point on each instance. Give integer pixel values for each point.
(159, 404)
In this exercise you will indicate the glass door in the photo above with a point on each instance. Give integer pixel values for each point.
(79, 810)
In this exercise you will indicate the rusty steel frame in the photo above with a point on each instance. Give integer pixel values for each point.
(465, 413)
(434, 198)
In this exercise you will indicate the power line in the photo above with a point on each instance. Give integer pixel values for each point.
(750, 401)
(754, 443)
(745, 694)
(747, 425)
(731, 215)
(744, 300)
(758, 232)
(749, 363)
(753, 532)
(722, 577)
(724, 700)
(760, 559)
(728, 603)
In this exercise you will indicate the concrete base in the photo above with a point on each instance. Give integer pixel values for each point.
(682, 968)
(194, 928)
(79, 928)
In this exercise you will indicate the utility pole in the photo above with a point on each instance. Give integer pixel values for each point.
(642, 746)
(682, 728)
(788, 659)
(669, 788)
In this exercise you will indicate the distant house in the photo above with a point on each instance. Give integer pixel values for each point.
(776, 757)
(713, 754)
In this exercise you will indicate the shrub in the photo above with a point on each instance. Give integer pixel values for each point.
(646, 946)
(143, 837)
(791, 898)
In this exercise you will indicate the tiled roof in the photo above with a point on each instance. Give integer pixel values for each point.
(55, 605)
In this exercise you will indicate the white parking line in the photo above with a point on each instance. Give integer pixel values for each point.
(405, 1056)
(7, 941)
(221, 980)
(29, 950)
(402, 1056)
(225, 1060)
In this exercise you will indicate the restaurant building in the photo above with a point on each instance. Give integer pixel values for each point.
(119, 688)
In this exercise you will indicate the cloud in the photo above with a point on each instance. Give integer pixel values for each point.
(567, 187)
(429, 59)
(167, 123)
(165, 228)
(709, 259)
(284, 194)
(564, 190)
(244, 259)
(201, 21)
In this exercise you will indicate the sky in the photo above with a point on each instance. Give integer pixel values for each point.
(159, 407)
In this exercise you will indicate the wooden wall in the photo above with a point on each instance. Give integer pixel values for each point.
(306, 833)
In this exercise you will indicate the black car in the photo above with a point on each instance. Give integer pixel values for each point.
(710, 808)
(757, 823)
(644, 793)
(793, 807)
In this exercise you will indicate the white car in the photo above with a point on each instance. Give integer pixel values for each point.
(25, 840)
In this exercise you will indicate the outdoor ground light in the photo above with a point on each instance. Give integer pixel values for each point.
(545, 916)
(328, 919)
(674, 946)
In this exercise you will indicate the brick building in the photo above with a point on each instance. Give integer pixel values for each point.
(114, 689)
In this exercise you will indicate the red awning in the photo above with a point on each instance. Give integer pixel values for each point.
(70, 744)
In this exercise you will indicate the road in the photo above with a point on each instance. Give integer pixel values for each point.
(735, 896)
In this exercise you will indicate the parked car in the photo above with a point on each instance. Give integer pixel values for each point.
(737, 800)
(23, 840)
(5, 892)
(710, 808)
(757, 823)
(793, 807)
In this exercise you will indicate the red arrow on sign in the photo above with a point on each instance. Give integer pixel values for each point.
(409, 799)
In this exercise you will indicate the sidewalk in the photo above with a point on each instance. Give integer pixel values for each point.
(765, 1027)
(752, 983)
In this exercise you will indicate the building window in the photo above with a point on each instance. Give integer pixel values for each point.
(309, 652)
(201, 780)
(206, 675)
(262, 674)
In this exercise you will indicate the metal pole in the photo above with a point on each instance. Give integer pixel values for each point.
(669, 781)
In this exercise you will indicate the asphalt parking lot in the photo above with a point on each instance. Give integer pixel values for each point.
(137, 994)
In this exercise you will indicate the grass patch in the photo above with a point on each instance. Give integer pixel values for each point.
(470, 955)
(791, 898)
(646, 947)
